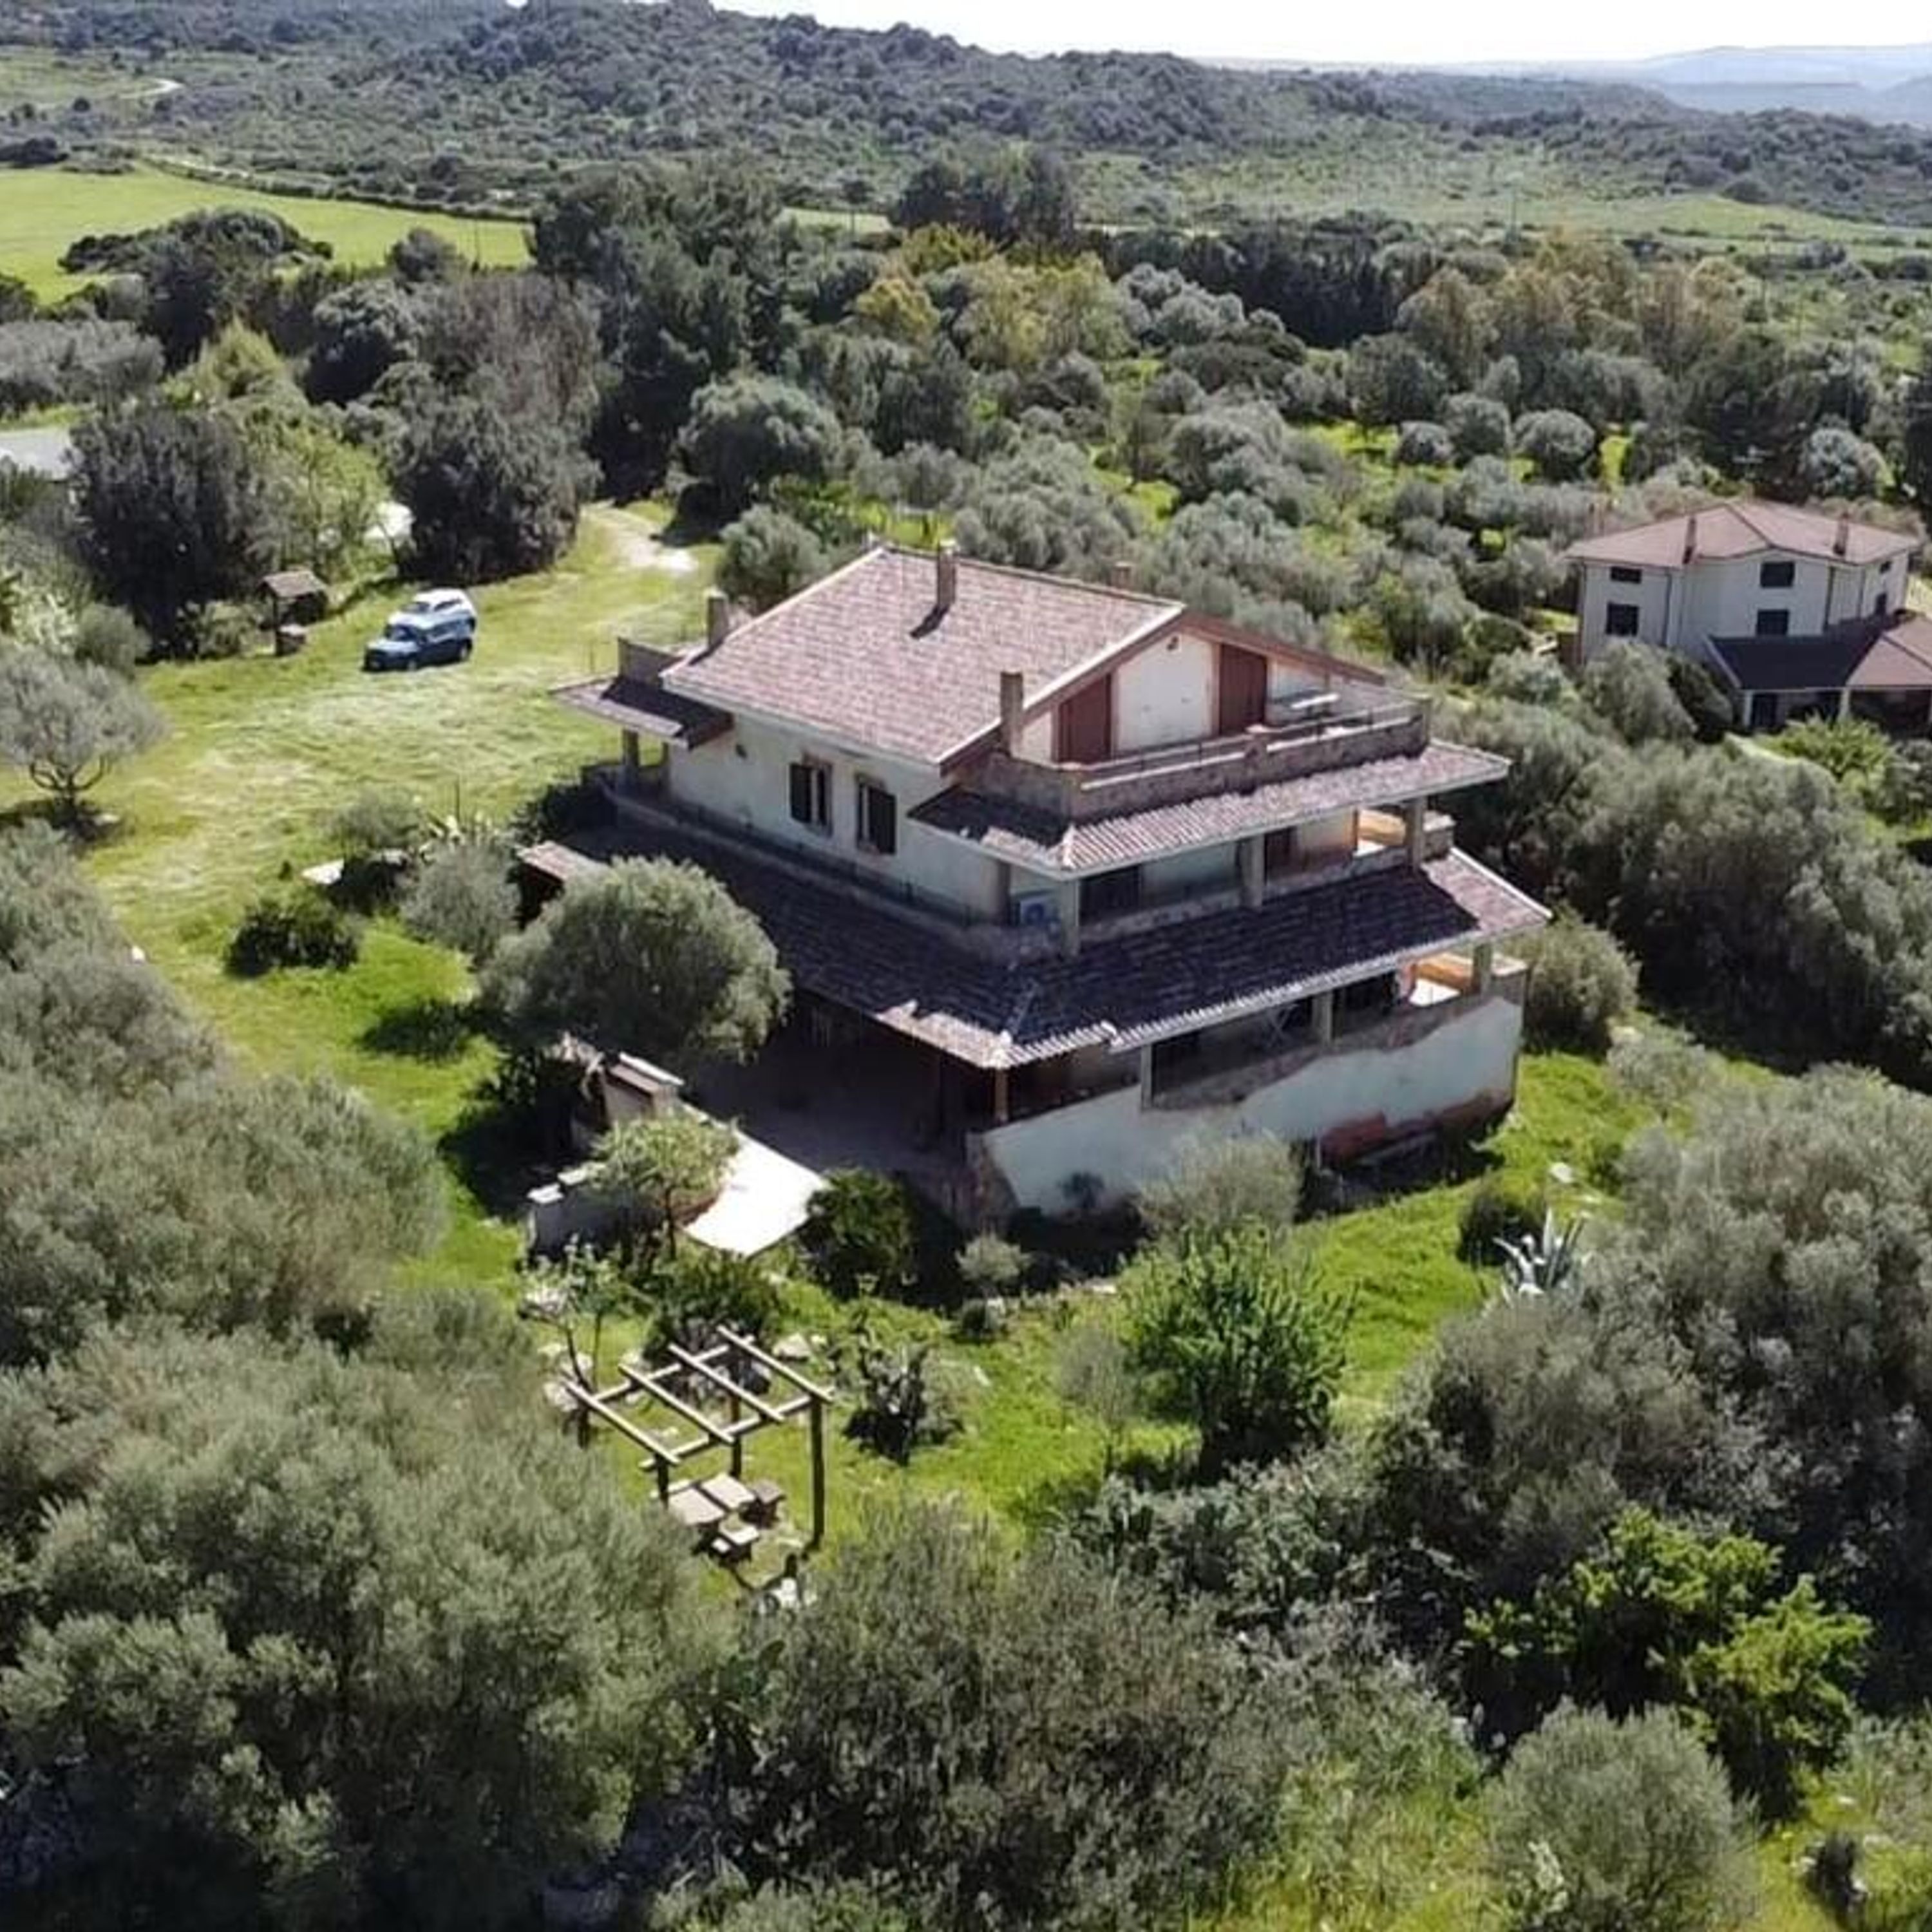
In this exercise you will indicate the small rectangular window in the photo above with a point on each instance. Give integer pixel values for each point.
(1625, 573)
(1881, 603)
(878, 818)
(1773, 624)
(1779, 576)
(1620, 620)
(812, 794)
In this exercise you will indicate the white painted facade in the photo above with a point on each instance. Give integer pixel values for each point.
(744, 779)
(1682, 607)
(1165, 695)
(1467, 1059)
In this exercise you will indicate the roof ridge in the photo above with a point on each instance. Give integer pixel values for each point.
(1124, 592)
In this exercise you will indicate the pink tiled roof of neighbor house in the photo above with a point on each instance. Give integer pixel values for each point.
(871, 654)
(1721, 531)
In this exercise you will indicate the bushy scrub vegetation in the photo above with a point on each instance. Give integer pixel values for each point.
(858, 1235)
(1582, 983)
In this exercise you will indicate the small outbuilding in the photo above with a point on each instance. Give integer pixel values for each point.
(292, 597)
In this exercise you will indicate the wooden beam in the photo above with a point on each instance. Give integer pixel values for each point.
(720, 1433)
(734, 1339)
(590, 1399)
(699, 1367)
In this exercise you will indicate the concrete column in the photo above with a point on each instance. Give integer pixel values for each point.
(1483, 959)
(1068, 892)
(1254, 880)
(1002, 1097)
(1147, 1076)
(1844, 704)
(1323, 1018)
(633, 761)
(1415, 816)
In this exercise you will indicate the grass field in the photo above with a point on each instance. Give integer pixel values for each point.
(43, 210)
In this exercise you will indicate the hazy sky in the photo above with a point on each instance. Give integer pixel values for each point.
(1388, 32)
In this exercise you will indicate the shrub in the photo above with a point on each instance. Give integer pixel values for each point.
(1853, 750)
(1215, 1183)
(897, 1406)
(1003, 1740)
(1234, 1333)
(460, 896)
(694, 1291)
(1629, 686)
(107, 635)
(294, 928)
(1425, 445)
(992, 1265)
(1477, 426)
(1661, 1615)
(1705, 702)
(1529, 677)
(1497, 1210)
(1599, 1825)
(979, 1319)
(1581, 983)
(858, 1235)
(1562, 445)
(664, 1168)
(767, 556)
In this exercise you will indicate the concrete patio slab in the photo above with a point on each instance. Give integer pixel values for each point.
(764, 1200)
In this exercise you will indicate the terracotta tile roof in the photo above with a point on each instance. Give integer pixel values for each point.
(858, 953)
(1741, 528)
(1876, 653)
(1027, 836)
(866, 654)
(633, 705)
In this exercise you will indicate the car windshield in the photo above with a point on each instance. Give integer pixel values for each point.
(401, 630)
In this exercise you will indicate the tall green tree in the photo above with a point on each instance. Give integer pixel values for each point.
(66, 725)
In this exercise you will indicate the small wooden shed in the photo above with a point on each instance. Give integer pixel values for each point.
(292, 597)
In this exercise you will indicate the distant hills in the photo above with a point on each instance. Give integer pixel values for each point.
(1881, 84)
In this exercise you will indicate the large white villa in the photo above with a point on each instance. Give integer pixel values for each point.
(1084, 872)
(1796, 612)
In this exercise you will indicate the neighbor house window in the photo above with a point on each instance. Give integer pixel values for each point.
(878, 818)
(1776, 576)
(1106, 892)
(812, 794)
(1625, 573)
(1773, 624)
(1881, 603)
(1620, 620)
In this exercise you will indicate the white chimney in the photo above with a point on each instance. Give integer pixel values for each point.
(1013, 711)
(1690, 537)
(946, 576)
(1841, 543)
(717, 619)
(1122, 572)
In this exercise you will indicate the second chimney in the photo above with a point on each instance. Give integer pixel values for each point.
(1842, 541)
(946, 576)
(1121, 571)
(1013, 711)
(1690, 537)
(717, 619)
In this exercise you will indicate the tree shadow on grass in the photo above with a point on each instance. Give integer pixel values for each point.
(432, 1029)
(514, 1135)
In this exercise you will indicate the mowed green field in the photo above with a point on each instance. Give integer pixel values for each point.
(44, 211)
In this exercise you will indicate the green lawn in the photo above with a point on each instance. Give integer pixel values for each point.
(42, 211)
(262, 749)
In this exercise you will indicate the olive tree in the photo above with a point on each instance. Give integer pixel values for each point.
(66, 725)
(651, 956)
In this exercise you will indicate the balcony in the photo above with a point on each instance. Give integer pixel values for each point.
(1298, 747)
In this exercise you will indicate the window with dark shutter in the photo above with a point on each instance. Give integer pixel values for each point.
(1773, 624)
(1620, 620)
(878, 818)
(1779, 576)
(1625, 573)
(811, 795)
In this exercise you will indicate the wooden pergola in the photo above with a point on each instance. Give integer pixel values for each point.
(745, 1411)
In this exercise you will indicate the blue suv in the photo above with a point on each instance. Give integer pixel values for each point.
(439, 627)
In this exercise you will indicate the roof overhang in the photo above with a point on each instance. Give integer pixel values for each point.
(647, 708)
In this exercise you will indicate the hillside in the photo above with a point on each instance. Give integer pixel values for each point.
(453, 99)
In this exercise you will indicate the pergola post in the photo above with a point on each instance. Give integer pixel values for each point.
(815, 1413)
(1322, 1016)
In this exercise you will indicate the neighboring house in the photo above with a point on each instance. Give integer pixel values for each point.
(1105, 871)
(1797, 612)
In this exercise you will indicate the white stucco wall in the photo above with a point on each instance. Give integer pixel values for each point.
(744, 779)
(1165, 695)
(1722, 598)
(1467, 1056)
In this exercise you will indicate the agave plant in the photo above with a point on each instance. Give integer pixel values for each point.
(1544, 1262)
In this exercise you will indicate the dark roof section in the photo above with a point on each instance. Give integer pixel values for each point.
(1885, 652)
(868, 654)
(1026, 836)
(1743, 528)
(633, 705)
(859, 953)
